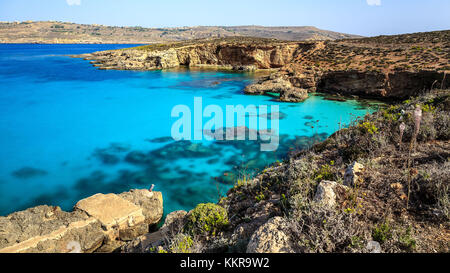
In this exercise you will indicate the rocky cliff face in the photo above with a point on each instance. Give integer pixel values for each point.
(217, 54)
(396, 84)
(393, 67)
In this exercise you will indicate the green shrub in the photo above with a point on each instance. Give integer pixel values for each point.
(260, 197)
(368, 127)
(325, 173)
(182, 244)
(407, 241)
(382, 233)
(206, 219)
(427, 108)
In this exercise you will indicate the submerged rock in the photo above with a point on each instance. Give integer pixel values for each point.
(28, 172)
(106, 157)
(137, 157)
(161, 140)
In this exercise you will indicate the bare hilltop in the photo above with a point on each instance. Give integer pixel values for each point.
(62, 32)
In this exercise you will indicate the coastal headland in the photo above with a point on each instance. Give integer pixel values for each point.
(384, 67)
(380, 185)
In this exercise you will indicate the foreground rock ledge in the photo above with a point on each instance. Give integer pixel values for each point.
(96, 222)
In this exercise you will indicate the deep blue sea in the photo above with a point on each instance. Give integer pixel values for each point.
(68, 130)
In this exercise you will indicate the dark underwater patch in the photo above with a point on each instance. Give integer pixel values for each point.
(268, 116)
(28, 172)
(213, 161)
(160, 140)
(137, 157)
(110, 155)
(106, 158)
(183, 149)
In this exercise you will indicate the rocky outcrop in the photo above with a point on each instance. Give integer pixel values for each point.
(47, 229)
(173, 224)
(97, 221)
(395, 84)
(370, 67)
(287, 91)
(272, 237)
(352, 173)
(236, 55)
(326, 193)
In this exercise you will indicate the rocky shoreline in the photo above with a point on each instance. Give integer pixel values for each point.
(385, 67)
(100, 223)
(380, 185)
(373, 187)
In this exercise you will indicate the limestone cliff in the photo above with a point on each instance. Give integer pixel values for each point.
(237, 54)
(380, 67)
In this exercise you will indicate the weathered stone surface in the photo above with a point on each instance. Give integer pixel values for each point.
(327, 192)
(110, 247)
(352, 173)
(111, 210)
(102, 220)
(48, 229)
(373, 247)
(144, 243)
(287, 91)
(150, 202)
(237, 55)
(131, 232)
(272, 237)
(175, 221)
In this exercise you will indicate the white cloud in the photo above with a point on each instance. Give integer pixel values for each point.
(374, 2)
(73, 2)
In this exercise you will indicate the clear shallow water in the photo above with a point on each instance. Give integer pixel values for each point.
(68, 130)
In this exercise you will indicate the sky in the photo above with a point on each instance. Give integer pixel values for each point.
(362, 17)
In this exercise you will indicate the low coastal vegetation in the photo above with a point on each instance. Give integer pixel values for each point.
(380, 185)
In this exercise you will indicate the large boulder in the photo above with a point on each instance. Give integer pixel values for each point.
(125, 216)
(150, 202)
(98, 223)
(48, 229)
(272, 237)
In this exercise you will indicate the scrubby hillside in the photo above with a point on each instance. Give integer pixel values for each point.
(62, 32)
(380, 185)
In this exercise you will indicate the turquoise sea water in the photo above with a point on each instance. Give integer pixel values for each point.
(68, 130)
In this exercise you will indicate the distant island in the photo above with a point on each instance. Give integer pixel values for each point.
(52, 32)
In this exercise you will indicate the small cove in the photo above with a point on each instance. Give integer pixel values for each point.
(69, 130)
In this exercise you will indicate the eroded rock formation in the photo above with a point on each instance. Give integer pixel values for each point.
(100, 221)
(379, 67)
